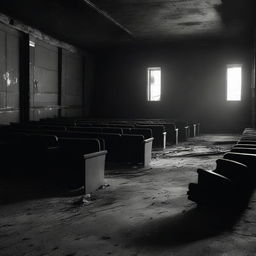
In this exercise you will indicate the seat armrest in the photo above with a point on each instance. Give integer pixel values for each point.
(95, 154)
(148, 140)
(210, 178)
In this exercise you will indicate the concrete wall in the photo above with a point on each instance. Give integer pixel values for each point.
(57, 81)
(193, 83)
(9, 75)
(72, 84)
(44, 70)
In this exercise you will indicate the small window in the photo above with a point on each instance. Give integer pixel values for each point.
(234, 82)
(154, 84)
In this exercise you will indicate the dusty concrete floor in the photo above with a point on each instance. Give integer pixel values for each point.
(142, 212)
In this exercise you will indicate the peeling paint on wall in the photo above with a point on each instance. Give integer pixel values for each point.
(10, 78)
(9, 75)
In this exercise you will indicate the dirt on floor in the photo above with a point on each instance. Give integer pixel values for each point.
(140, 211)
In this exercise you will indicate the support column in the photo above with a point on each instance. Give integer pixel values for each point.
(24, 78)
(60, 81)
(253, 98)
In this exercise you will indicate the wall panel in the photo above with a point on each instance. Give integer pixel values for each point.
(12, 75)
(9, 75)
(72, 84)
(51, 78)
(43, 80)
(2, 61)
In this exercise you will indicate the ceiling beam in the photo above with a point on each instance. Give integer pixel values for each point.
(107, 16)
(20, 26)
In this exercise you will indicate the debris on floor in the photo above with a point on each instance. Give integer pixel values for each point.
(84, 200)
(144, 213)
(104, 186)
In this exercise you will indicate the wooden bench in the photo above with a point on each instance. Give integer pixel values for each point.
(188, 129)
(96, 129)
(233, 177)
(122, 147)
(172, 133)
(228, 183)
(147, 133)
(159, 134)
(78, 161)
(244, 145)
(114, 143)
(250, 150)
(248, 159)
(184, 130)
(84, 161)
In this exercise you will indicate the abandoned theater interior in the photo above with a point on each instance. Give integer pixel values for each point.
(127, 127)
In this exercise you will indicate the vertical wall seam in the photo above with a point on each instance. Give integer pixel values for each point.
(6, 66)
(59, 80)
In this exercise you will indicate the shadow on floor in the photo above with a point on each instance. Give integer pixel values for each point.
(14, 190)
(126, 170)
(192, 225)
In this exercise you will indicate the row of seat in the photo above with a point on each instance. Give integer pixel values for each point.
(233, 178)
(125, 148)
(77, 151)
(75, 162)
(81, 158)
(165, 131)
(157, 131)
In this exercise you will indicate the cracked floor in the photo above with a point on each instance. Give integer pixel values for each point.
(141, 212)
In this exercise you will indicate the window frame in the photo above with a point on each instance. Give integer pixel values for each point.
(149, 69)
(241, 85)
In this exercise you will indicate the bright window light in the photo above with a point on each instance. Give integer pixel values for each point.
(154, 84)
(234, 82)
(32, 43)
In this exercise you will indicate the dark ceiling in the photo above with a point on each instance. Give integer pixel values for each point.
(179, 18)
(88, 23)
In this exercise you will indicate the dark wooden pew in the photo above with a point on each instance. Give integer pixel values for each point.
(84, 162)
(248, 159)
(187, 129)
(249, 150)
(75, 161)
(171, 130)
(172, 133)
(234, 176)
(159, 134)
(29, 152)
(147, 133)
(96, 129)
(252, 142)
(114, 125)
(40, 126)
(228, 183)
(244, 145)
(184, 130)
(59, 133)
(116, 144)
(122, 147)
